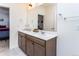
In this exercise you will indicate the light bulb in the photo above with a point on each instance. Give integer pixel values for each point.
(30, 6)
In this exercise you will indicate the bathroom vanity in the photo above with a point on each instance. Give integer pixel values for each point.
(37, 43)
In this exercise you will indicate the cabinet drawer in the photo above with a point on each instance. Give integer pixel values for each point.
(39, 41)
(36, 40)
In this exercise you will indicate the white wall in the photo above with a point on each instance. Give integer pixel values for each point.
(4, 14)
(68, 30)
(17, 20)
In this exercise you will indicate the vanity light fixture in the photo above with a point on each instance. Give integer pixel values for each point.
(30, 5)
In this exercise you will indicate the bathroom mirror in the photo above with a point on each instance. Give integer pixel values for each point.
(43, 17)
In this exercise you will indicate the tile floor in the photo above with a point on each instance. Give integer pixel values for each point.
(5, 51)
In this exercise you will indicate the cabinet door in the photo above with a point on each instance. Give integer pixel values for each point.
(19, 40)
(29, 47)
(23, 43)
(39, 50)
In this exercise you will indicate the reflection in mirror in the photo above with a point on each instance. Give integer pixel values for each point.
(40, 22)
(43, 17)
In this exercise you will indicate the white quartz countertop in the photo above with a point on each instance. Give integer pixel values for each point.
(46, 36)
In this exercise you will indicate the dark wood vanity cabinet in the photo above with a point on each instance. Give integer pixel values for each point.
(21, 41)
(33, 46)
